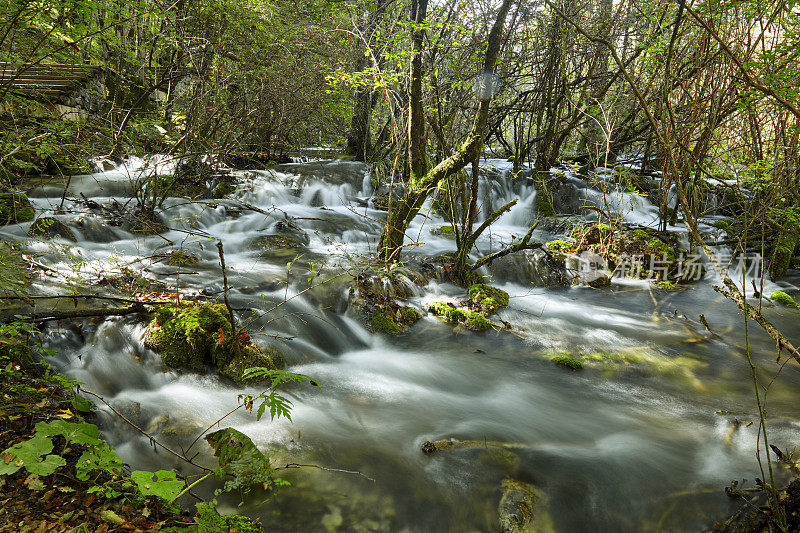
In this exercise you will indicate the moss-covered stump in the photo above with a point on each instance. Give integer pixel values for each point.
(49, 227)
(471, 319)
(487, 299)
(197, 336)
(14, 208)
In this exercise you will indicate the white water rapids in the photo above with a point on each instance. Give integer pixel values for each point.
(643, 443)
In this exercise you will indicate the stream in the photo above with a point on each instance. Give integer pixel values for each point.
(642, 442)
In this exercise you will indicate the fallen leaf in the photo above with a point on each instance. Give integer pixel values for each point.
(33, 482)
(111, 517)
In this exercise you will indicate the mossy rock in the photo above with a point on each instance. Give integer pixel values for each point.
(568, 362)
(196, 336)
(393, 321)
(472, 320)
(223, 189)
(489, 298)
(516, 508)
(660, 249)
(14, 208)
(559, 245)
(592, 233)
(722, 224)
(444, 231)
(49, 227)
(782, 298)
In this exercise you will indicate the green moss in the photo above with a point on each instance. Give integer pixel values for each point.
(474, 321)
(410, 315)
(660, 248)
(722, 224)
(666, 285)
(568, 362)
(783, 250)
(383, 322)
(223, 189)
(472, 278)
(560, 246)
(783, 298)
(444, 231)
(641, 233)
(444, 309)
(489, 298)
(199, 335)
(15, 208)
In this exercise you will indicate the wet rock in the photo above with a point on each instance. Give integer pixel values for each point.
(15, 208)
(156, 423)
(522, 509)
(446, 231)
(531, 267)
(334, 172)
(597, 280)
(380, 199)
(49, 227)
(130, 409)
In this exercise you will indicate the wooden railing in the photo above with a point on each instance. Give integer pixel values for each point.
(50, 79)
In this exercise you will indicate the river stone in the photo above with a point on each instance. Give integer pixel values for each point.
(49, 227)
(14, 208)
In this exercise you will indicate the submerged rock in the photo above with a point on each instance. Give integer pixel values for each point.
(521, 509)
(196, 336)
(49, 227)
(14, 208)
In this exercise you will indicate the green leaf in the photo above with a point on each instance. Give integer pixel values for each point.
(163, 483)
(74, 432)
(82, 405)
(45, 467)
(99, 457)
(26, 454)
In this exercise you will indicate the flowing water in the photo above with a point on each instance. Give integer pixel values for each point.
(643, 441)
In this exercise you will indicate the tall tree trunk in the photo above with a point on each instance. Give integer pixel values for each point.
(422, 180)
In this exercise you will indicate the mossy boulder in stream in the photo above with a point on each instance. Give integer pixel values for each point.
(783, 298)
(489, 298)
(195, 336)
(521, 509)
(49, 227)
(15, 208)
(451, 313)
